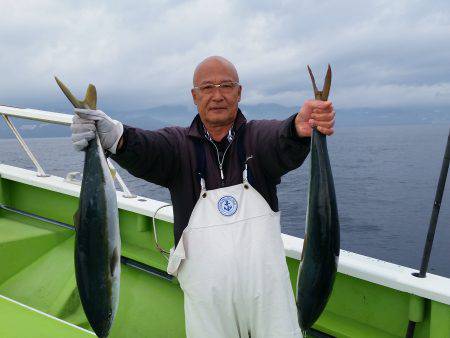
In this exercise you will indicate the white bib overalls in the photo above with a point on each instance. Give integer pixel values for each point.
(231, 265)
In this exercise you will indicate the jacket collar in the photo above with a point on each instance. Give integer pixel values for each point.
(196, 128)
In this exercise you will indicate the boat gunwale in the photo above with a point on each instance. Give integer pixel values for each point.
(141, 205)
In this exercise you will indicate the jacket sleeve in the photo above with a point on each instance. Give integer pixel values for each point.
(278, 147)
(150, 155)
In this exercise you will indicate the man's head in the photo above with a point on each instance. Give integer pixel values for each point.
(217, 106)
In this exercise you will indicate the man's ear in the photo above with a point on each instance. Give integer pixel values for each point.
(239, 93)
(194, 96)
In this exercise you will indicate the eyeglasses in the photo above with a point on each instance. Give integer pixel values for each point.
(224, 87)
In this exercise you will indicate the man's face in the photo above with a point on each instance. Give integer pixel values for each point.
(216, 107)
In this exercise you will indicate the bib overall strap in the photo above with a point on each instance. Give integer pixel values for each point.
(200, 171)
(247, 174)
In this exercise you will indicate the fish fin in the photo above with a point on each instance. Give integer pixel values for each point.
(90, 100)
(76, 218)
(326, 84)
(316, 91)
(115, 260)
(75, 102)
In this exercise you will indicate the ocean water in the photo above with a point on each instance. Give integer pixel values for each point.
(385, 179)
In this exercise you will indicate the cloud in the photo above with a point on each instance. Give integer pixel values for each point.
(142, 54)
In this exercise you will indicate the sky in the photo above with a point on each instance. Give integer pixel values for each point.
(142, 54)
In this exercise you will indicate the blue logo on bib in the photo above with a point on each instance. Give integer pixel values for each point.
(227, 205)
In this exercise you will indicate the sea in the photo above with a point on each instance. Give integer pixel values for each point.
(385, 179)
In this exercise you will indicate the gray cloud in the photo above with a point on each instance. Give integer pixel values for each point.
(142, 54)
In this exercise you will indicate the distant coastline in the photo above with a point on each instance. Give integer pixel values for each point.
(163, 116)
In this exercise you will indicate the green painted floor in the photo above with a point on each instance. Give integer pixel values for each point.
(20, 322)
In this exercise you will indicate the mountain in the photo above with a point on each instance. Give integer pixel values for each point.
(176, 115)
(162, 116)
(392, 116)
(263, 111)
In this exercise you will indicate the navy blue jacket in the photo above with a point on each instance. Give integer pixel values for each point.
(167, 157)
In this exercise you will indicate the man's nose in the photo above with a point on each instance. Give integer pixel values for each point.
(216, 95)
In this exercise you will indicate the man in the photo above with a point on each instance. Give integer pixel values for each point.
(222, 174)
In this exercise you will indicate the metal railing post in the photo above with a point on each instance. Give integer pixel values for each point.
(40, 170)
(122, 184)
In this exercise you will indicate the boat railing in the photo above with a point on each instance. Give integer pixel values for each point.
(53, 118)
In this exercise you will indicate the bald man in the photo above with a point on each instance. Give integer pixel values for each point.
(222, 173)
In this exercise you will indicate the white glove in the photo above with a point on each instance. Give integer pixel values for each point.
(84, 124)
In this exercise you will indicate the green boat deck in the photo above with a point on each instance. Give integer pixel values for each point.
(19, 321)
(37, 271)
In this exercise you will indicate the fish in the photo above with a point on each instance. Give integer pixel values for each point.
(320, 254)
(97, 238)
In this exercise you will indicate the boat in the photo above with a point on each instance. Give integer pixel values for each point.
(38, 293)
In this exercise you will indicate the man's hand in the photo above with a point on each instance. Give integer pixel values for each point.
(87, 122)
(315, 113)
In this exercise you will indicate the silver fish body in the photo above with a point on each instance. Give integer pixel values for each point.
(97, 239)
(320, 254)
(97, 243)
